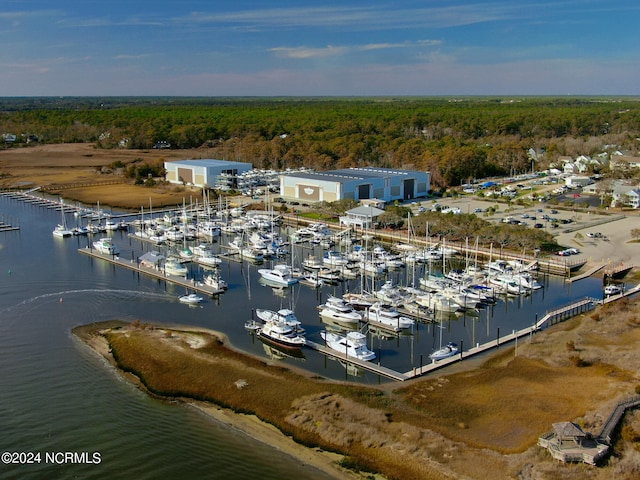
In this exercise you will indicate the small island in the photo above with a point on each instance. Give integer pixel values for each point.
(485, 416)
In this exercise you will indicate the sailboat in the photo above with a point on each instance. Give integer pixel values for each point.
(448, 350)
(61, 229)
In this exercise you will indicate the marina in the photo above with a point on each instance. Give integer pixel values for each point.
(402, 352)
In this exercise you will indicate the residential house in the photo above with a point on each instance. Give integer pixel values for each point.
(626, 196)
(624, 162)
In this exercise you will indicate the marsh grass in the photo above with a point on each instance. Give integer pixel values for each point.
(439, 427)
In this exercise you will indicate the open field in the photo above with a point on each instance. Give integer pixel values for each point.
(82, 163)
(468, 424)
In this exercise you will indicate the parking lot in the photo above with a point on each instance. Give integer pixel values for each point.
(599, 238)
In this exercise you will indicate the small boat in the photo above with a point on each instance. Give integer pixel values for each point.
(215, 281)
(448, 350)
(62, 231)
(252, 325)
(612, 289)
(191, 299)
(312, 281)
(353, 345)
(105, 245)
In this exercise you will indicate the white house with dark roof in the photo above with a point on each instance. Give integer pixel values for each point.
(362, 217)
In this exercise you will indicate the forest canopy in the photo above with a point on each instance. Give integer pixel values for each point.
(455, 139)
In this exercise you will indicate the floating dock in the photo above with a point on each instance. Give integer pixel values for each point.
(152, 272)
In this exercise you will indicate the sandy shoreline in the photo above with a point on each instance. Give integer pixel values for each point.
(249, 425)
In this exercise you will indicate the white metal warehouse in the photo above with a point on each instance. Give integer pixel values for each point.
(384, 184)
(205, 173)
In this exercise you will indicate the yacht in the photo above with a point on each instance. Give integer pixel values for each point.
(284, 315)
(203, 254)
(334, 259)
(312, 263)
(215, 281)
(388, 316)
(172, 266)
(282, 334)
(280, 274)
(105, 245)
(340, 310)
(353, 345)
(437, 302)
(250, 253)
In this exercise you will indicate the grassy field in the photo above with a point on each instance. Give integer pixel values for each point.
(473, 423)
(82, 163)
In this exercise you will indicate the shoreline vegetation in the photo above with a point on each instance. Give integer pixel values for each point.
(482, 417)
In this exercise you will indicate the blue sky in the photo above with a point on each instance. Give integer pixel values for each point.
(304, 47)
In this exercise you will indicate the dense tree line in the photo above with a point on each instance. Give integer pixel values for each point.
(456, 140)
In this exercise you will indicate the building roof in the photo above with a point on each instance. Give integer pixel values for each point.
(350, 174)
(207, 162)
(365, 210)
(568, 429)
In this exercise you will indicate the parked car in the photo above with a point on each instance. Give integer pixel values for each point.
(538, 225)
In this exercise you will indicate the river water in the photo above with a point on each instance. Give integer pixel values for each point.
(58, 396)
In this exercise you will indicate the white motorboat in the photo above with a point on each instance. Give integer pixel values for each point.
(251, 253)
(340, 310)
(437, 302)
(312, 263)
(353, 344)
(334, 259)
(172, 266)
(191, 299)
(282, 334)
(448, 350)
(312, 281)
(329, 275)
(279, 274)
(105, 245)
(612, 289)
(203, 254)
(284, 315)
(186, 254)
(215, 281)
(388, 316)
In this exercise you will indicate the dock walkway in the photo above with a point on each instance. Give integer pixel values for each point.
(612, 422)
(373, 367)
(159, 274)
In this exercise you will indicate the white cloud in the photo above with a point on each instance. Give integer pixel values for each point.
(333, 51)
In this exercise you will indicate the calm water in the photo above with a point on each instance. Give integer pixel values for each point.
(56, 396)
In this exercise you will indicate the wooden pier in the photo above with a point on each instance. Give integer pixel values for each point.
(372, 367)
(553, 317)
(606, 434)
(152, 272)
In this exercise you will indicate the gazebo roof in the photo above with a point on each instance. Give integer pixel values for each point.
(568, 429)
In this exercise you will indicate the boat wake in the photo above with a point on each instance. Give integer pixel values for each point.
(99, 295)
